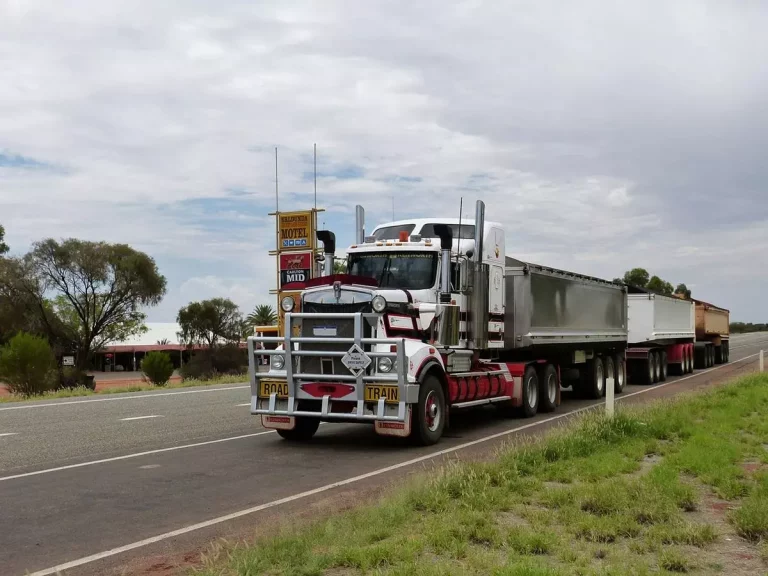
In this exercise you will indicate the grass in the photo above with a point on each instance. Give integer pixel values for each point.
(621, 496)
(83, 391)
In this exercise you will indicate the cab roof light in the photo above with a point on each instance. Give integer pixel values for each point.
(403, 236)
(369, 239)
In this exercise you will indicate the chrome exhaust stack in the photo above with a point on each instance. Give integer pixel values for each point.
(328, 239)
(478, 310)
(359, 224)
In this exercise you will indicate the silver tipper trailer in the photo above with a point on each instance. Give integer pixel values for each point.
(548, 307)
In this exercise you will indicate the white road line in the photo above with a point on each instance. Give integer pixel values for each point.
(136, 455)
(352, 480)
(8, 434)
(141, 417)
(246, 404)
(54, 404)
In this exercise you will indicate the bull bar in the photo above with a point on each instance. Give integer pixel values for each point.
(407, 393)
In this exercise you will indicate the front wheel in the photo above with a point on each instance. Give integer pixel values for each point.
(430, 412)
(303, 431)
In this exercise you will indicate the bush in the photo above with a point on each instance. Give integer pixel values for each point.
(70, 377)
(208, 364)
(27, 365)
(157, 366)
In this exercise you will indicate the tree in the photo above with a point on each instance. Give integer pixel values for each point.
(637, 277)
(163, 342)
(98, 291)
(683, 289)
(339, 267)
(210, 321)
(262, 315)
(3, 246)
(656, 284)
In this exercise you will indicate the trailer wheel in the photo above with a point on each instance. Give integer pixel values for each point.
(594, 387)
(726, 352)
(430, 412)
(609, 369)
(548, 388)
(700, 357)
(663, 367)
(648, 369)
(530, 398)
(712, 355)
(303, 431)
(621, 374)
(691, 361)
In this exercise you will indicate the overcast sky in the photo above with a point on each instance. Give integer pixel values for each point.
(604, 135)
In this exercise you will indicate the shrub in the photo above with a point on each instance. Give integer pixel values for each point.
(157, 366)
(70, 377)
(27, 365)
(207, 364)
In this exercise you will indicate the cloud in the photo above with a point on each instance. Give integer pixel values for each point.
(603, 137)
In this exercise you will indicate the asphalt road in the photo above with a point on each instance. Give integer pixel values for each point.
(80, 477)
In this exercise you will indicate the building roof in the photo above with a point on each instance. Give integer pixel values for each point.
(156, 332)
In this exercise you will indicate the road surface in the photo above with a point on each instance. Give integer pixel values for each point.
(127, 480)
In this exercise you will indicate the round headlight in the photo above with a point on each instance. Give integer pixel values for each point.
(277, 362)
(385, 365)
(287, 304)
(379, 304)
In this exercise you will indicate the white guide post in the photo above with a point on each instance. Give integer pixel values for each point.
(762, 361)
(609, 390)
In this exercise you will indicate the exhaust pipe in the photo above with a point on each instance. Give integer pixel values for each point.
(478, 308)
(328, 239)
(445, 234)
(359, 224)
(479, 231)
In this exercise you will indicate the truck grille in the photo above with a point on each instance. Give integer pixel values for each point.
(345, 328)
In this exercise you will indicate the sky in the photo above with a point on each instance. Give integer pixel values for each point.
(603, 136)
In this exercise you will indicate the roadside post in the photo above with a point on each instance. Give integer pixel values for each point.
(762, 361)
(609, 393)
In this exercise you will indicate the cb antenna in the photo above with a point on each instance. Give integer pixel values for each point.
(277, 201)
(315, 175)
(393, 208)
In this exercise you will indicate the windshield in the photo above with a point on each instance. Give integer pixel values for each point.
(407, 270)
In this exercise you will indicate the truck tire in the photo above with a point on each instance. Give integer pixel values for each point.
(663, 367)
(303, 431)
(594, 386)
(548, 388)
(719, 354)
(700, 357)
(530, 398)
(647, 370)
(430, 412)
(711, 356)
(621, 374)
(655, 361)
(691, 363)
(609, 371)
(726, 352)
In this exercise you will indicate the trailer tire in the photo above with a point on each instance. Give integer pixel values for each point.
(621, 374)
(530, 393)
(712, 356)
(663, 367)
(303, 431)
(700, 357)
(548, 388)
(594, 387)
(430, 412)
(647, 370)
(726, 352)
(689, 359)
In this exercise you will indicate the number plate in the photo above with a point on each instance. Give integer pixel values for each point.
(373, 392)
(269, 387)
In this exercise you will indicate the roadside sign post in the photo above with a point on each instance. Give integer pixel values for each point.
(762, 361)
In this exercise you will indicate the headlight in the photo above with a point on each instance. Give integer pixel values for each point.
(277, 362)
(287, 304)
(385, 365)
(379, 304)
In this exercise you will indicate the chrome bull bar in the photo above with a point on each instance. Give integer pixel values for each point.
(407, 393)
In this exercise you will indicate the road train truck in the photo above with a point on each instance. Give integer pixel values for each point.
(432, 317)
(673, 334)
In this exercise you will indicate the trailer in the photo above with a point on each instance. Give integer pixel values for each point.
(432, 317)
(712, 335)
(662, 333)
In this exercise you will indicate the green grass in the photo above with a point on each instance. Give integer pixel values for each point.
(620, 496)
(83, 391)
